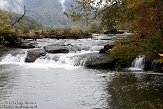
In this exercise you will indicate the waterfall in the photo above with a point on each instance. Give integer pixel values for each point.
(138, 63)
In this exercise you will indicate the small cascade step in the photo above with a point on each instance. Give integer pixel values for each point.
(138, 64)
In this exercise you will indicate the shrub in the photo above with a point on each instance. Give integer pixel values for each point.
(127, 49)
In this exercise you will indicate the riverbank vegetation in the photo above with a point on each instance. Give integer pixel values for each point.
(27, 28)
(144, 18)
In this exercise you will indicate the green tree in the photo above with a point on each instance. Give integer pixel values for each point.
(108, 12)
(4, 27)
(143, 17)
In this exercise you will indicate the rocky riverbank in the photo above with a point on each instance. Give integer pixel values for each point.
(99, 59)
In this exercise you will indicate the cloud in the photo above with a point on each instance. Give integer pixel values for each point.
(62, 2)
(12, 5)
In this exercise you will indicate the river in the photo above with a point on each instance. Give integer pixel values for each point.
(60, 81)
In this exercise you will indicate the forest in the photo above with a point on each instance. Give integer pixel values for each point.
(144, 18)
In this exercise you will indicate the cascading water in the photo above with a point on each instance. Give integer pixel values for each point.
(9, 58)
(81, 49)
(138, 63)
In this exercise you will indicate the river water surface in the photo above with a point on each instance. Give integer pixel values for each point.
(56, 81)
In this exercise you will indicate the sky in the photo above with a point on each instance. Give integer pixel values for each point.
(17, 5)
(63, 4)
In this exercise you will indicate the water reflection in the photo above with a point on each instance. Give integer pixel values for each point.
(6, 82)
(135, 91)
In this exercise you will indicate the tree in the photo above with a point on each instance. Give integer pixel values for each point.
(3, 27)
(144, 17)
(108, 12)
(148, 19)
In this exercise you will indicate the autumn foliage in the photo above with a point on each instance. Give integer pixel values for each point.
(148, 17)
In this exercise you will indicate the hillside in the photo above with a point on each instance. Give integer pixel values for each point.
(49, 12)
(25, 23)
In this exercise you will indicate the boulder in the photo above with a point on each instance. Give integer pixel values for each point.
(57, 48)
(102, 50)
(108, 47)
(72, 48)
(149, 64)
(32, 55)
(4, 50)
(113, 31)
(156, 66)
(98, 61)
(25, 44)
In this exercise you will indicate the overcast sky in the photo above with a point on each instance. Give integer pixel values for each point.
(18, 4)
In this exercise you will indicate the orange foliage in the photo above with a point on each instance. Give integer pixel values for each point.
(148, 16)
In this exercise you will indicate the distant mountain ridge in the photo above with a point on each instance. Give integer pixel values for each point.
(27, 23)
(49, 12)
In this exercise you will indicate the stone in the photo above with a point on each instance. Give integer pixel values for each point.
(113, 31)
(32, 55)
(56, 48)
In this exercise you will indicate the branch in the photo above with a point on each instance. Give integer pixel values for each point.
(18, 20)
(137, 44)
(153, 51)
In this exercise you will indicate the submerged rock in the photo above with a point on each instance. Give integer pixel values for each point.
(32, 55)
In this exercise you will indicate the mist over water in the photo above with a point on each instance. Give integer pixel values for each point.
(12, 5)
(17, 5)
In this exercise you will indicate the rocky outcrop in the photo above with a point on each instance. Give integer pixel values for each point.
(157, 67)
(4, 50)
(98, 61)
(107, 48)
(102, 51)
(151, 64)
(25, 44)
(113, 31)
(17, 42)
(32, 55)
(56, 48)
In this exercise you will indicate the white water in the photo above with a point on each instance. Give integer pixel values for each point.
(138, 64)
(55, 60)
(9, 58)
(54, 81)
(76, 57)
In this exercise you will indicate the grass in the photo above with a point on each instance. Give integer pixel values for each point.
(68, 33)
